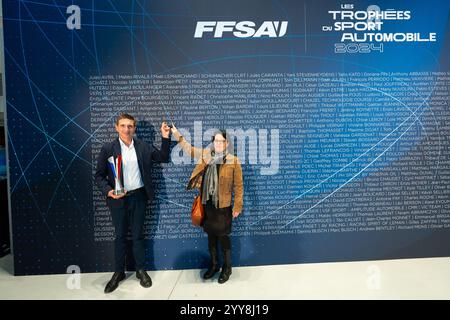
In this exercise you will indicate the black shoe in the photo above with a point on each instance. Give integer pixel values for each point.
(225, 274)
(114, 282)
(146, 281)
(211, 272)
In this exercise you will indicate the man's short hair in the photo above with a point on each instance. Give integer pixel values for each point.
(125, 116)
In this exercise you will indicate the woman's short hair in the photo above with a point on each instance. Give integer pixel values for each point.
(222, 132)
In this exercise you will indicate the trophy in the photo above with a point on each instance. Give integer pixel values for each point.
(116, 167)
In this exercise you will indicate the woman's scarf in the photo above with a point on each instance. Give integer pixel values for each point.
(211, 184)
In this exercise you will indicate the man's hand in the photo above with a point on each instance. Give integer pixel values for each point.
(115, 196)
(165, 130)
(235, 214)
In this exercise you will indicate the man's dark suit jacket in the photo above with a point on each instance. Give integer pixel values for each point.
(145, 154)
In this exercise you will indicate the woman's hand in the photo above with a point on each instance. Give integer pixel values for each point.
(235, 214)
(175, 133)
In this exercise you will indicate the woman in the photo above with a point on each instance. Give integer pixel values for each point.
(216, 174)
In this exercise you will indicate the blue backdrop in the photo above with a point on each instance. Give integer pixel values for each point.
(363, 153)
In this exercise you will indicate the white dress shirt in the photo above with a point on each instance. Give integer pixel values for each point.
(131, 175)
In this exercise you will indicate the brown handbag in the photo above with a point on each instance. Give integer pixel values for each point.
(197, 212)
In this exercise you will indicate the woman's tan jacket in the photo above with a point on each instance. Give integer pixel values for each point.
(230, 174)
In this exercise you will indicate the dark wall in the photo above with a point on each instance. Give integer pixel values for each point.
(4, 219)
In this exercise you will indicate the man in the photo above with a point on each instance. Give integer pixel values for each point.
(128, 209)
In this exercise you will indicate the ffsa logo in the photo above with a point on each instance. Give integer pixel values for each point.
(242, 29)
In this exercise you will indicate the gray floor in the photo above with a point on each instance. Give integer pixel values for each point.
(388, 279)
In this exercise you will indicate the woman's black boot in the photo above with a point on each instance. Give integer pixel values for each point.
(226, 268)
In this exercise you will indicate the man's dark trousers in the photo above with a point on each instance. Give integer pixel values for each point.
(130, 215)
